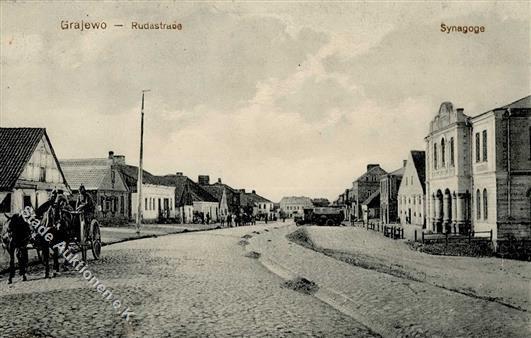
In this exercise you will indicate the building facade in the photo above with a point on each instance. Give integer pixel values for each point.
(479, 171)
(193, 204)
(105, 184)
(363, 188)
(158, 199)
(29, 170)
(412, 194)
(292, 206)
(389, 184)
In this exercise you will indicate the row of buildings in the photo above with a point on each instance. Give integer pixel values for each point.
(30, 169)
(473, 175)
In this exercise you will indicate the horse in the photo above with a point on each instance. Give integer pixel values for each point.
(17, 233)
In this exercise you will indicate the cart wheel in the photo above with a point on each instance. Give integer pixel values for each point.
(95, 239)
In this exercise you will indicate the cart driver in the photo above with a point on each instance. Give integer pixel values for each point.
(85, 204)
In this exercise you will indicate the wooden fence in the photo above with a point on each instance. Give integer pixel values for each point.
(448, 237)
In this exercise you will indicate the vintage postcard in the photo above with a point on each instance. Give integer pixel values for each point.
(265, 169)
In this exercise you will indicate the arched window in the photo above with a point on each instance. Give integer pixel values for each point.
(452, 151)
(443, 159)
(435, 155)
(485, 205)
(478, 204)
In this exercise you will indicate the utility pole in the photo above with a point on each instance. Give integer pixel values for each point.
(140, 170)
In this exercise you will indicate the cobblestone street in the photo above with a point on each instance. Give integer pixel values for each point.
(195, 284)
(229, 282)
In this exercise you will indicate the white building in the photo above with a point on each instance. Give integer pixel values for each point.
(411, 194)
(29, 169)
(158, 202)
(292, 206)
(478, 171)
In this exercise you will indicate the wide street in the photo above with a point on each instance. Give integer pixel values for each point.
(230, 282)
(195, 284)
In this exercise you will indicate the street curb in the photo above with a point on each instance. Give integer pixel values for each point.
(333, 298)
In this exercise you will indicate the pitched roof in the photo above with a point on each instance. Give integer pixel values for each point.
(419, 161)
(87, 172)
(374, 170)
(520, 104)
(215, 190)
(186, 190)
(258, 198)
(375, 195)
(296, 200)
(17, 145)
(130, 175)
(398, 172)
(249, 198)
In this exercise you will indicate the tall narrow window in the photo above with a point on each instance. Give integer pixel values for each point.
(477, 148)
(42, 174)
(452, 151)
(443, 155)
(485, 205)
(435, 155)
(478, 204)
(484, 145)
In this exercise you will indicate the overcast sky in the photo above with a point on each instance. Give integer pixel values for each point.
(284, 98)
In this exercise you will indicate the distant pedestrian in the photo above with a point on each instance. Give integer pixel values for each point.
(266, 219)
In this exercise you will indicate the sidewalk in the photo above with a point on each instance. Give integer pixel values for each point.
(111, 235)
(507, 281)
(389, 305)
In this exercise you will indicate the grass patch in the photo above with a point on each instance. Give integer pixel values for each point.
(243, 242)
(301, 237)
(302, 285)
(474, 249)
(253, 254)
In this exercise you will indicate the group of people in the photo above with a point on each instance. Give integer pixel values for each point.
(236, 220)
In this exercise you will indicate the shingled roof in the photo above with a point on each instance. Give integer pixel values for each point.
(17, 145)
(186, 190)
(130, 175)
(87, 172)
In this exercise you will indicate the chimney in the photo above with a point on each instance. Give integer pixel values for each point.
(370, 166)
(404, 162)
(203, 180)
(219, 180)
(254, 191)
(460, 110)
(242, 190)
(111, 154)
(178, 173)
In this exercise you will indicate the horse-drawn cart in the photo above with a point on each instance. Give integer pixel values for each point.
(85, 235)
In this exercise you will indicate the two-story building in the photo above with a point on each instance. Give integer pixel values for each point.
(29, 169)
(479, 171)
(291, 206)
(363, 188)
(411, 194)
(389, 184)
